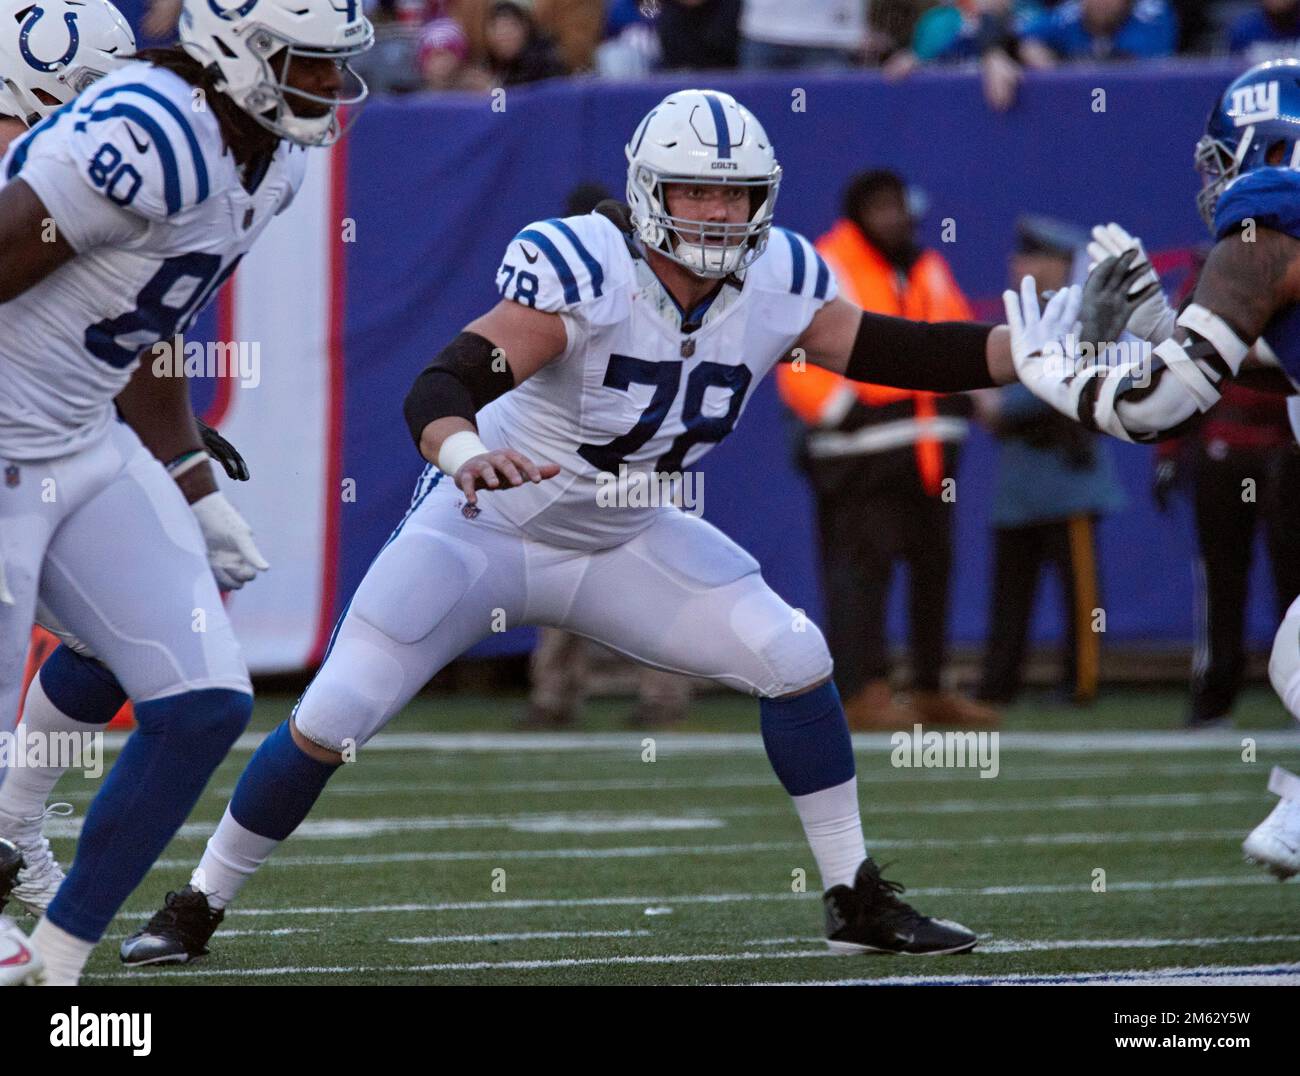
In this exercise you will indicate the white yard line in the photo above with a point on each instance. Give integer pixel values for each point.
(1081, 887)
(532, 935)
(350, 828)
(275, 932)
(1207, 975)
(709, 743)
(653, 851)
(659, 959)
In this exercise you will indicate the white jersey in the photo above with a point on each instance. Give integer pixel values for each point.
(136, 178)
(633, 396)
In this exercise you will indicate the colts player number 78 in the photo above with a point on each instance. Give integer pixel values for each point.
(632, 339)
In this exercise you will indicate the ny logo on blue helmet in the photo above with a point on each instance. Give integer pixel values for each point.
(1254, 124)
(25, 49)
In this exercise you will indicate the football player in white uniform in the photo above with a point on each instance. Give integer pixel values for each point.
(625, 346)
(157, 180)
(30, 89)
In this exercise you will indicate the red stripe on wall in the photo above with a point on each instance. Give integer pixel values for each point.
(338, 172)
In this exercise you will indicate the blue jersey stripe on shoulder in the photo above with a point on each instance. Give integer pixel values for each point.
(553, 255)
(797, 256)
(823, 276)
(593, 266)
(201, 184)
(171, 176)
(19, 157)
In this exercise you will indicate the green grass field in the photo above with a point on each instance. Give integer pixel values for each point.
(680, 870)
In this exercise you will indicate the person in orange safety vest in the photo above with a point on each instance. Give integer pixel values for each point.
(881, 461)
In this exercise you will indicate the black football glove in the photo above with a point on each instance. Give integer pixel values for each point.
(223, 452)
(1107, 306)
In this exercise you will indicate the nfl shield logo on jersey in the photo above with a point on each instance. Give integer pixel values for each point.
(13, 475)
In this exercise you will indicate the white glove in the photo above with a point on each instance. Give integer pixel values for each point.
(1043, 344)
(5, 597)
(231, 552)
(1154, 319)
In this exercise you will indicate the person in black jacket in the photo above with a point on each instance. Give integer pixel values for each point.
(517, 50)
(699, 34)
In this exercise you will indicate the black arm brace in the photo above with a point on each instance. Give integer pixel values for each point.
(943, 356)
(468, 374)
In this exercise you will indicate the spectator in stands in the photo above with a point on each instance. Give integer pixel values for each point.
(1054, 479)
(516, 50)
(444, 58)
(1270, 32)
(573, 26)
(1244, 468)
(1100, 30)
(630, 48)
(698, 35)
(878, 459)
(1009, 35)
(987, 30)
(391, 65)
(777, 35)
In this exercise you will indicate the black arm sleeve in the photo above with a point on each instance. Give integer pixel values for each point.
(940, 356)
(464, 378)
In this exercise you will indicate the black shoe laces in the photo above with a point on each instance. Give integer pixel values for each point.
(180, 912)
(883, 893)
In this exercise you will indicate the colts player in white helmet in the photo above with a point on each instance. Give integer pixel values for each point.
(83, 40)
(51, 51)
(625, 345)
(158, 179)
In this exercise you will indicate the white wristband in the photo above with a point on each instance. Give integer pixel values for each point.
(455, 450)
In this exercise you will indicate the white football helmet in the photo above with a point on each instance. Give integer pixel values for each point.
(241, 42)
(51, 50)
(701, 136)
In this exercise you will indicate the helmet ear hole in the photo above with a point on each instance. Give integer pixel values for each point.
(1276, 153)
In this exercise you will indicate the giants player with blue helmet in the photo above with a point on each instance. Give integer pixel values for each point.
(142, 177)
(1244, 315)
(625, 345)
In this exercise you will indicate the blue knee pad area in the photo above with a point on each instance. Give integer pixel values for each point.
(807, 740)
(82, 688)
(278, 787)
(148, 793)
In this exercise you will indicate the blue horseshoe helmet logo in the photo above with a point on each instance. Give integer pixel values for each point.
(51, 66)
(231, 13)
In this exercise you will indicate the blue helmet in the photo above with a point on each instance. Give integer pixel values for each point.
(1255, 124)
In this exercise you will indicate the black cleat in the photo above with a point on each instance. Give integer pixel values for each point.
(178, 932)
(11, 862)
(869, 918)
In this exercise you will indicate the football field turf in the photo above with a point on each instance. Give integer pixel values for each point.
(457, 852)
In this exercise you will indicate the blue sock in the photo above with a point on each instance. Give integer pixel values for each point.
(149, 792)
(81, 688)
(807, 740)
(278, 787)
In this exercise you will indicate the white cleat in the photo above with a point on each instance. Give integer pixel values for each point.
(41, 875)
(19, 964)
(1275, 842)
